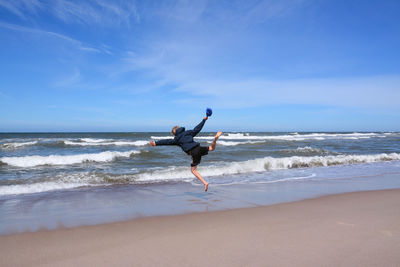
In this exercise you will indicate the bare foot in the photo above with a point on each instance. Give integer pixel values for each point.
(214, 142)
(206, 187)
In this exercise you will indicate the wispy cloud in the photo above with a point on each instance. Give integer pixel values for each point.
(228, 54)
(21, 7)
(234, 13)
(269, 9)
(362, 92)
(186, 66)
(90, 12)
(186, 11)
(76, 43)
(193, 58)
(200, 36)
(84, 12)
(70, 80)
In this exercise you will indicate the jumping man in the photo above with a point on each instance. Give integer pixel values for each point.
(184, 139)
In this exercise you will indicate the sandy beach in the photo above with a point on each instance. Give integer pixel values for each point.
(352, 229)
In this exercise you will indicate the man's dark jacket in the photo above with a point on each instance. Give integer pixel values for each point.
(183, 138)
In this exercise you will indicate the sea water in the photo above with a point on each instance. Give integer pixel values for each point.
(50, 179)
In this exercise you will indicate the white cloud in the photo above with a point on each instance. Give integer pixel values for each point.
(87, 12)
(95, 12)
(187, 67)
(21, 7)
(78, 44)
(187, 11)
(265, 10)
(192, 57)
(365, 92)
(74, 78)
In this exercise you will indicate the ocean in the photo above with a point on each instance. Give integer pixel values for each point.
(69, 179)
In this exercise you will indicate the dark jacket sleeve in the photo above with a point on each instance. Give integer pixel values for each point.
(165, 142)
(198, 128)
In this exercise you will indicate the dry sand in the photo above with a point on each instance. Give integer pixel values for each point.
(354, 229)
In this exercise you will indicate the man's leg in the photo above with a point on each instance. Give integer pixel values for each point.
(197, 174)
(214, 142)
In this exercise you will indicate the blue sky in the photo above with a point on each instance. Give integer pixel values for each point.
(288, 65)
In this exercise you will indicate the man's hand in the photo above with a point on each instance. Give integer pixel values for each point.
(205, 118)
(152, 143)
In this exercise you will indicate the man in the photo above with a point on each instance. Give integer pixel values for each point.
(184, 139)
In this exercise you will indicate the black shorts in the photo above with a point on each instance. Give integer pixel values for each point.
(196, 154)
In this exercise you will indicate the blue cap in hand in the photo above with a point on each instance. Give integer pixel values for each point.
(208, 112)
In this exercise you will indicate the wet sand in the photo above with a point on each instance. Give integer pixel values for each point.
(352, 229)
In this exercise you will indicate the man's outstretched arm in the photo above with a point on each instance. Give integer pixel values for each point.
(165, 142)
(198, 128)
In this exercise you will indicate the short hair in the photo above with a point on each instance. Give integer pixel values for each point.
(173, 131)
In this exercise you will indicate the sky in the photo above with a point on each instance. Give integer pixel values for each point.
(261, 65)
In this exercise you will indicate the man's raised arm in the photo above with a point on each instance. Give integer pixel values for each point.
(198, 128)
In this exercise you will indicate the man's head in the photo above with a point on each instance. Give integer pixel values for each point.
(173, 131)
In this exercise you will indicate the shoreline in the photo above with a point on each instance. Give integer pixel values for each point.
(358, 228)
(100, 205)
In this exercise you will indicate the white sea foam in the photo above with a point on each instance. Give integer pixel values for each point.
(161, 137)
(288, 179)
(64, 181)
(68, 181)
(87, 179)
(17, 144)
(301, 178)
(36, 188)
(235, 143)
(289, 137)
(107, 143)
(32, 161)
(237, 135)
(309, 149)
(73, 142)
(92, 140)
(264, 164)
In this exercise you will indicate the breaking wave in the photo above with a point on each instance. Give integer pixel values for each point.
(236, 143)
(107, 143)
(36, 188)
(32, 161)
(291, 136)
(57, 142)
(17, 144)
(68, 181)
(309, 150)
(265, 164)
